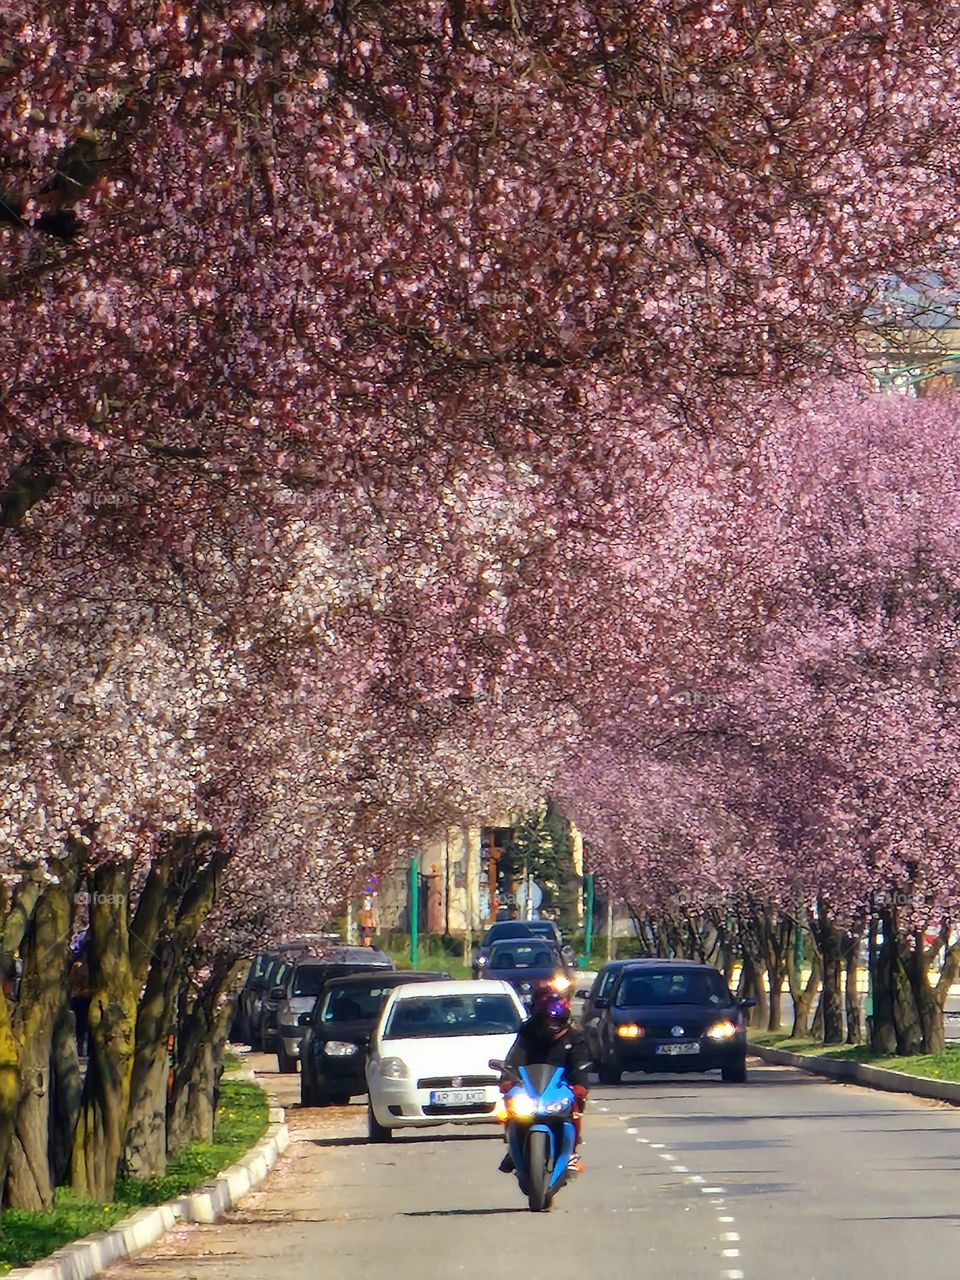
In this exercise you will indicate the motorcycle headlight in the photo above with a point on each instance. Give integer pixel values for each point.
(561, 984)
(521, 1105)
(629, 1031)
(393, 1069)
(554, 1107)
(722, 1030)
(342, 1049)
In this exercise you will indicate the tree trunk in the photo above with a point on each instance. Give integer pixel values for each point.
(9, 1089)
(201, 862)
(202, 1032)
(101, 1126)
(45, 951)
(827, 938)
(803, 1000)
(929, 1011)
(854, 1012)
(66, 1092)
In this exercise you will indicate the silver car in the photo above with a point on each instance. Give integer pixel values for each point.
(304, 983)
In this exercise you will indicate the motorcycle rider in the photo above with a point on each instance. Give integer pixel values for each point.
(548, 1037)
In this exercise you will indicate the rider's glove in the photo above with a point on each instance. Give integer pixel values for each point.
(580, 1093)
(505, 1086)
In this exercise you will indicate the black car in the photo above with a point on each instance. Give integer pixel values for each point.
(304, 983)
(596, 999)
(333, 1050)
(504, 930)
(526, 963)
(672, 1015)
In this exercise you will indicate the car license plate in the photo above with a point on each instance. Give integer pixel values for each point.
(675, 1049)
(457, 1097)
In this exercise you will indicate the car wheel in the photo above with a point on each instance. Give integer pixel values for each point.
(341, 1100)
(285, 1062)
(736, 1072)
(608, 1073)
(377, 1132)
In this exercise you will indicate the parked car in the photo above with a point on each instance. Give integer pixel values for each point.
(260, 1010)
(333, 1052)
(506, 929)
(672, 1015)
(269, 1002)
(304, 982)
(527, 964)
(595, 1000)
(430, 1055)
(247, 1017)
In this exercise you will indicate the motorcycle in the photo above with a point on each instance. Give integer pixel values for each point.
(538, 1113)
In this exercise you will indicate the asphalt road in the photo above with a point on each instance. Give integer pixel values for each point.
(690, 1179)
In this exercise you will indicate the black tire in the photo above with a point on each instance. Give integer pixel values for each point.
(308, 1097)
(736, 1072)
(285, 1063)
(608, 1073)
(538, 1167)
(340, 1100)
(377, 1132)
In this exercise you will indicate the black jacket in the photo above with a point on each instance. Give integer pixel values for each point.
(569, 1051)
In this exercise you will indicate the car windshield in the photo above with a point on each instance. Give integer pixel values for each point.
(518, 955)
(426, 1017)
(353, 1003)
(672, 986)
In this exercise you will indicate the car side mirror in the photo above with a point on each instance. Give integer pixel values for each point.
(601, 1002)
(583, 993)
(278, 993)
(748, 1003)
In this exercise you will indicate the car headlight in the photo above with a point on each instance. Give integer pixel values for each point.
(629, 1031)
(393, 1069)
(342, 1049)
(722, 1030)
(521, 1104)
(481, 960)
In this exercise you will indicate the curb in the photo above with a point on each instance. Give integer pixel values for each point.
(83, 1259)
(860, 1073)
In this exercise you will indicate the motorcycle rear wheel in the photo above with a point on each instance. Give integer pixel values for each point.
(538, 1170)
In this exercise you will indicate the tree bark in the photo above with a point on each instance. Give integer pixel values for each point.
(827, 937)
(66, 1092)
(101, 1125)
(45, 952)
(854, 1011)
(203, 1021)
(145, 1146)
(803, 999)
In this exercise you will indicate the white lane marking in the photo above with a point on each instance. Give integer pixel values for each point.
(733, 1275)
(657, 1146)
(730, 1253)
(695, 1177)
(729, 1235)
(726, 1219)
(633, 1131)
(712, 1191)
(680, 1168)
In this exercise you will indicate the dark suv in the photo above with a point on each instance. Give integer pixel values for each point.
(333, 1051)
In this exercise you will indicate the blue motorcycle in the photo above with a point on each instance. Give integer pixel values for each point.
(538, 1113)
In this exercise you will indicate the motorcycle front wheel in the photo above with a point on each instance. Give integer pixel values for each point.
(538, 1160)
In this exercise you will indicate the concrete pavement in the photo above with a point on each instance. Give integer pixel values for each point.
(687, 1178)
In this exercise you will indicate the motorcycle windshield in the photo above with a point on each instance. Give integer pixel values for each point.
(540, 1076)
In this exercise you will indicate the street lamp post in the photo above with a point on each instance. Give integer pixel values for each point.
(413, 900)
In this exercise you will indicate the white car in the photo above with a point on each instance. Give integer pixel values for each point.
(430, 1054)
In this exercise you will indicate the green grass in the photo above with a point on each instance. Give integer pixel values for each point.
(931, 1066)
(241, 1120)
